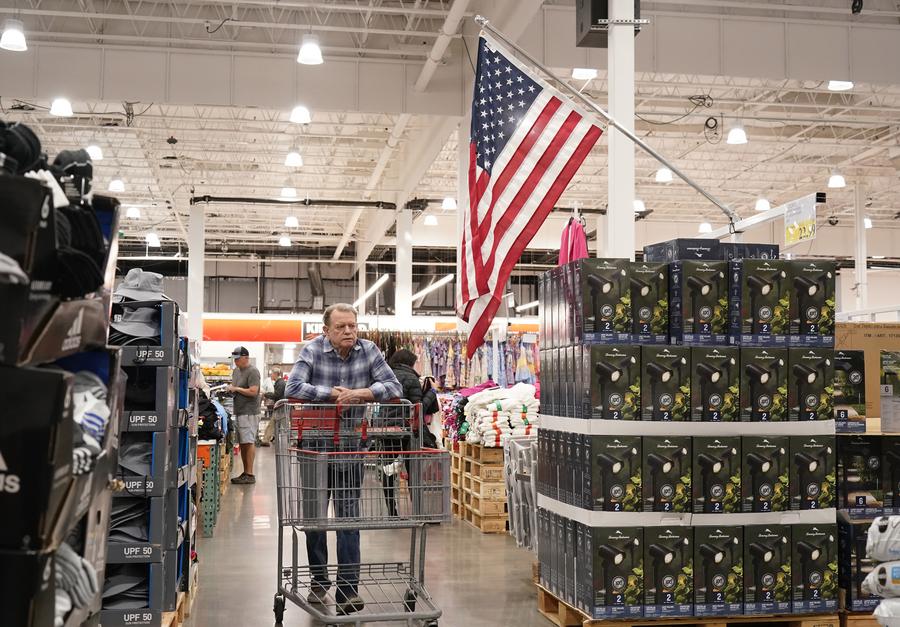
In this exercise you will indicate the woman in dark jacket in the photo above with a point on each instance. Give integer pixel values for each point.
(402, 362)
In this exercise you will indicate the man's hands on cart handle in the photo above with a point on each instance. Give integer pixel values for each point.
(346, 396)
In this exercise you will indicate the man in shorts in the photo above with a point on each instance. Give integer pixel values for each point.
(245, 387)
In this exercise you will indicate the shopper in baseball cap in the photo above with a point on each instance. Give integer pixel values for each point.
(245, 385)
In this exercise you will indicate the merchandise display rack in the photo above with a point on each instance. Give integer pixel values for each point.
(575, 320)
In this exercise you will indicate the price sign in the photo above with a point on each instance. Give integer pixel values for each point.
(800, 220)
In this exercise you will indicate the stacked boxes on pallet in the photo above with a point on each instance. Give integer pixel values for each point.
(483, 488)
(729, 512)
(153, 522)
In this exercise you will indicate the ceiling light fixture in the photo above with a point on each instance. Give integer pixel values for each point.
(449, 203)
(762, 204)
(526, 306)
(284, 241)
(13, 38)
(62, 108)
(95, 152)
(840, 85)
(288, 192)
(117, 185)
(584, 73)
(300, 115)
(292, 222)
(736, 136)
(664, 175)
(639, 206)
(152, 240)
(431, 220)
(310, 52)
(428, 290)
(293, 160)
(133, 213)
(705, 227)
(375, 287)
(867, 222)
(836, 180)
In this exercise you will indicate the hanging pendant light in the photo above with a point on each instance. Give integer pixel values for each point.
(61, 107)
(310, 52)
(300, 115)
(13, 38)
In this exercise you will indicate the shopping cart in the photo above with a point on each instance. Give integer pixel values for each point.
(357, 467)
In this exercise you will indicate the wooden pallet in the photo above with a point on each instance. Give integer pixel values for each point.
(455, 494)
(457, 509)
(455, 478)
(455, 463)
(176, 618)
(487, 472)
(488, 507)
(564, 615)
(486, 524)
(858, 619)
(482, 454)
(488, 490)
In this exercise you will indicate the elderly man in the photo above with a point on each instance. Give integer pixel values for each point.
(337, 367)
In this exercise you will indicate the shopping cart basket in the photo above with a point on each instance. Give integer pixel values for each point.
(358, 467)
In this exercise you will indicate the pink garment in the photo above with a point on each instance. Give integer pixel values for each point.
(573, 245)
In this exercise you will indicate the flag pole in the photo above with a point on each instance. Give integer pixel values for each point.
(728, 211)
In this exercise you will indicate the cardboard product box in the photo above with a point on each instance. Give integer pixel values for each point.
(764, 385)
(850, 391)
(565, 304)
(812, 302)
(28, 580)
(767, 566)
(812, 472)
(815, 568)
(543, 519)
(871, 338)
(759, 302)
(810, 384)
(614, 565)
(854, 565)
(552, 464)
(683, 249)
(666, 476)
(577, 379)
(734, 250)
(606, 301)
(698, 302)
(890, 391)
(718, 571)
(890, 447)
(550, 318)
(543, 329)
(666, 383)
(572, 398)
(576, 465)
(582, 587)
(612, 386)
(571, 558)
(716, 474)
(649, 292)
(668, 571)
(584, 471)
(860, 475)
(567, 467)
(616, 473)
(765, 473)
(716, 384)
(559, 555)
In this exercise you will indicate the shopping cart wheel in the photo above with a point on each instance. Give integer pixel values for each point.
(409, 601)
(278, 608)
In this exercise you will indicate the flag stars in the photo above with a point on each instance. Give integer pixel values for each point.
(531, 88)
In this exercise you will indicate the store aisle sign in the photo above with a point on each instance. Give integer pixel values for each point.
(800, 220)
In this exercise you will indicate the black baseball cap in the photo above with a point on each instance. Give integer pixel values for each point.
(240, 351)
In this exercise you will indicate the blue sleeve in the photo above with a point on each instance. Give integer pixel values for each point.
(298, 384)
(385, 385)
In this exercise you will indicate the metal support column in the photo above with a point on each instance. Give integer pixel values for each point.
(403, 276)
(862, 298)
(196, 270)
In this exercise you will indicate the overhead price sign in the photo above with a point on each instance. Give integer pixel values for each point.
(800, 220)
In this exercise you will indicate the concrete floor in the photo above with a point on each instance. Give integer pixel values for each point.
(477, 580)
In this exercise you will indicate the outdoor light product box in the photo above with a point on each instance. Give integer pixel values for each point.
(698, 302)
(810, 384)
(718, 571)
(767, 569)
(668, 571)
(613, 582)
(890, 446)
(543, 544)
(765, 473)
(715, 383)
(578, 378)
(812, 477)
(683, 249)
(854, 565)
(860, 475)
(571, 559)
(890, 390)
(648, 285)
(759, 302)
(666, 383)
(815, 568)
(716, 476)
(812, 302)
(666, 475)
(733, 250)
(615, 471)
(764, 390)
(605, 301)
(611, 388)
(567, 468)
(850, 391)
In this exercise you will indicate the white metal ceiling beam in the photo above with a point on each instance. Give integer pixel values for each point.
(448, 32)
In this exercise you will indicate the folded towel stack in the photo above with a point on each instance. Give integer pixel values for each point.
(496, 415)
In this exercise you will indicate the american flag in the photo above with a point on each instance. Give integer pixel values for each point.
(526, 143)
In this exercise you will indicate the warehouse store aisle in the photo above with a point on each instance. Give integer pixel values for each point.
(477, 580)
